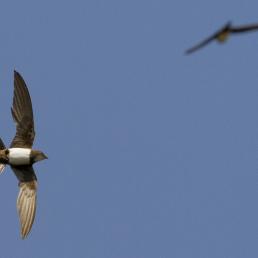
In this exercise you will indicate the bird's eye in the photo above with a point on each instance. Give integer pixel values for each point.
(6, 152)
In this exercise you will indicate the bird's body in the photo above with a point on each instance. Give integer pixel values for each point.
(222, 37)
(223, 34)
(20, 156)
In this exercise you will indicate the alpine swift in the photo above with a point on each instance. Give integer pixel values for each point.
(20, 156)
(222, 35)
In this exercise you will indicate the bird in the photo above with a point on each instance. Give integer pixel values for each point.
(222, 35)
(20, 155)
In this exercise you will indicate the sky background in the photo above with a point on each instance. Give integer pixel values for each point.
(152, 154)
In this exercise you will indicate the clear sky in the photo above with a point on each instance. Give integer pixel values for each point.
(152, 154)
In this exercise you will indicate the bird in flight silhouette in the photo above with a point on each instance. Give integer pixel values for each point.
(20, 156)
(222, 35)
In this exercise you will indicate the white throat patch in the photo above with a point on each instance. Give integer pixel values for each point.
(19, 156)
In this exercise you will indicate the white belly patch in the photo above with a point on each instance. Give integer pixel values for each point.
(19, 156)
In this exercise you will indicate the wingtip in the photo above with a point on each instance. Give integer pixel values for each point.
(189, 51)
(24, 234)
(16, 73)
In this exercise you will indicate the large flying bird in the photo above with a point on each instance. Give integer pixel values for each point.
(20, 156)
(222, 35)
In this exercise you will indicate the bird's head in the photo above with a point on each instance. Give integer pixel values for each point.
(37, 156)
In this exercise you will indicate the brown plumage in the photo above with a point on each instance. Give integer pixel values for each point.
(222, 34)
(26, 205)
(20, 155)
(22, 114)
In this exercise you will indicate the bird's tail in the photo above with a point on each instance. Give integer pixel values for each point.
(2, 147)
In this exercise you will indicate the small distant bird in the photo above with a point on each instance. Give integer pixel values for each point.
(222, 35)
(20, 156)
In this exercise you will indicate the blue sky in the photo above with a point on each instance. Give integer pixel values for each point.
(152, 154)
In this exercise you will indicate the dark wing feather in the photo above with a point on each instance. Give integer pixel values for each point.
(214, 36)
(27, 198)
(22, 114)
(24, 173)
(201, 44)
(245, 28)
(2, 146)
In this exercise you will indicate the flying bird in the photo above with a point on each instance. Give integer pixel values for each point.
(222, 35)
(20, 156)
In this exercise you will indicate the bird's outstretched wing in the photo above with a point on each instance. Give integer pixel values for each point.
(2, 167)
(201, 44)
(244, 28)
(27, 197)
(206, 41)
(22, 114)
